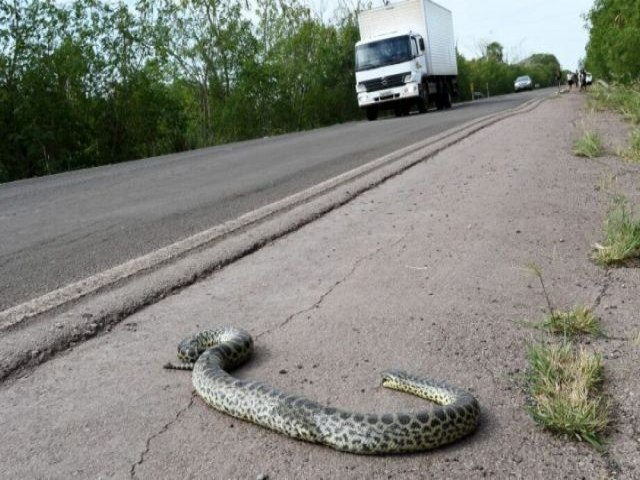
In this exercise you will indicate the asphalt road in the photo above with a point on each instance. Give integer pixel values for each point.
(56, 230)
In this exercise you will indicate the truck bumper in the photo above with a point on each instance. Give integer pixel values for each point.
(407, 91)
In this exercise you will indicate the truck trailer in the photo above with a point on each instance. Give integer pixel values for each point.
(406, 58)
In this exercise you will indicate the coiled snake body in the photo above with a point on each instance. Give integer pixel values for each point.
(212, 352)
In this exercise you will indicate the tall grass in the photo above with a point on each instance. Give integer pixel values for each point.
(624, 99)
(632, 152)
(565, 383)
(566, 391)
(621, 237)
(579, 320)
(588, 145)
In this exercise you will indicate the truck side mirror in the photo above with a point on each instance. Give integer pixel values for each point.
(422, 44)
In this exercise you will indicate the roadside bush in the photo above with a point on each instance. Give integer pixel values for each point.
(632, 152)
(589, 145)
(621, 237)
(566, 391)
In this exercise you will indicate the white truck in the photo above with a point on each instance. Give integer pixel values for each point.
(406, 57)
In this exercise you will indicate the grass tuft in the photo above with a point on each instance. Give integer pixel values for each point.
(622, 238)
(566, 392)
(624, 99)
(632, 153)
(578, 321)
(589, 145)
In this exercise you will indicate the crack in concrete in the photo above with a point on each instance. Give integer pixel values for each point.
(164, 429)
(603, 290)
(598, 301)
(333, 287)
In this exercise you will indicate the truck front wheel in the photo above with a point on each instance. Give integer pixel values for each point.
(422, 105)
(443, 98)
(446, 98)
(372, 113)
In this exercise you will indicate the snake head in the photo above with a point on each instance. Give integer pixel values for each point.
(393, 376)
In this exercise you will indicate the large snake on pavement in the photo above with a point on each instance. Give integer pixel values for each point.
(211, 352)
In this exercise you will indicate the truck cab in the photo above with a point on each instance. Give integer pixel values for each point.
(391, 69)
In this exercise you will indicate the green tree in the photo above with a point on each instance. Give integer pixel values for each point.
(613, 51)
(494, 51)
(542, 68)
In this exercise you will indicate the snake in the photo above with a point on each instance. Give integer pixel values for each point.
(455, 413)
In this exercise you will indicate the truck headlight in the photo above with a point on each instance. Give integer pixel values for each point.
(360, 88)
(408, 78)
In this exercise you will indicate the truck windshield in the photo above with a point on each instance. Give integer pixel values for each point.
(383, 52)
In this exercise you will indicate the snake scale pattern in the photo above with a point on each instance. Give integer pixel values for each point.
(211, 353)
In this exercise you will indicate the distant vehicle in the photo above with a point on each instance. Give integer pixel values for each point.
(588, 79)
(523, 83)
(406, 58)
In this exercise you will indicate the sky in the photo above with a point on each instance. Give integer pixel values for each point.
(522, 27)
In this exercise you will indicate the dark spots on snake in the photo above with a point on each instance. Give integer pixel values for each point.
(441, 414)
(372, 419)
(358, 417)
(414, 425)
(404, 419)
(423, 417)
(329, 410)
(226, 351)
(344, 415)
(387, 419)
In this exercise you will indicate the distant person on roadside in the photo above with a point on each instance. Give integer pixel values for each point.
(558, 78)
(574, 79)
(570, 80)
(583, 80)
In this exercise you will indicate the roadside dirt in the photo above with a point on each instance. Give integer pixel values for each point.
(425, 272)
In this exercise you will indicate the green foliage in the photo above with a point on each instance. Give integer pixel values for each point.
(588, 145)
(92, 82)
(579, 320)
(494, 51)
(632, 152)
(624, 99)
(542, 68)
(565, 388)
(613, 51)
(621, 237)
(491, 75)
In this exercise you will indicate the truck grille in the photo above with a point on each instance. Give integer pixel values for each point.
(385, 82)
